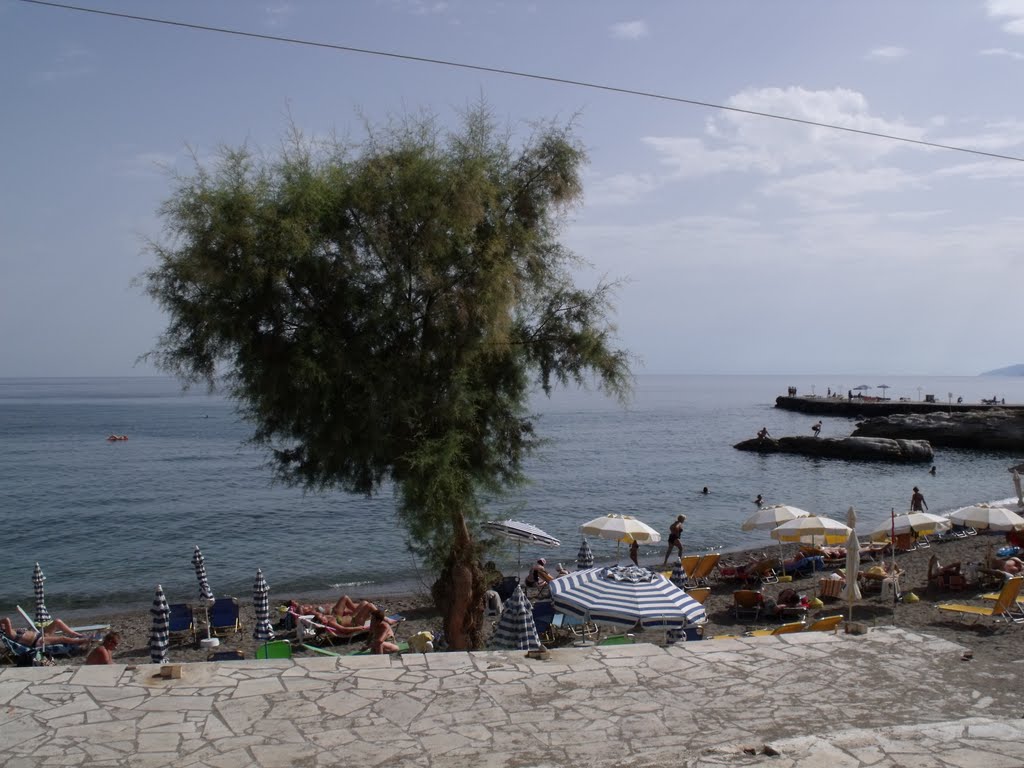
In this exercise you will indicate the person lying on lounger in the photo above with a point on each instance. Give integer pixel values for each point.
(54, 633)
(346, 612)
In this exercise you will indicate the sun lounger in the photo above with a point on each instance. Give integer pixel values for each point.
(181, 624)
(826, 624)
(224, 617)
(782, 629)
(1006, 607)
(702, 572)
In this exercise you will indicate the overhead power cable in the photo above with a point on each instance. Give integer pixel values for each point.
(514, 73)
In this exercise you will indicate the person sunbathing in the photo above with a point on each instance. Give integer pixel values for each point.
(1011, 565)
(381, 634)
(54, 633)
(346, 612)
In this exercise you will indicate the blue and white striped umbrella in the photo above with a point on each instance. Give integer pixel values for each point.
(679, 574)
(516, 629)
(625, 595)
(261, 607)
(159, 636)
(520, 533)
(585, 557)
(199, 562)
(42, 615)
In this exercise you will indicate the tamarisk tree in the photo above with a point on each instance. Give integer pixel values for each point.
(381, 313)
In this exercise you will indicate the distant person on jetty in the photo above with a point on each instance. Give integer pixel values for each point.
(675, 536)
(759, 500)
(816, 429)
(762, 433)
(634, 552)
(917, 502)
(104, 654)
(849, 394)
(830, 392)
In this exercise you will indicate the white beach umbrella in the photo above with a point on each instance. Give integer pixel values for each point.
(159, 636)
(516, 628)
(42, 615)
(625, 595)
(620, 528)
(984, 516)
(767, 518)
(772, 516)
(813, 529)
(522, 532)
(922, 523)
(261, 607)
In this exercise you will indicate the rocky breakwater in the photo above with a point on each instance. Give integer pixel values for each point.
(856, 448)
(995, 429)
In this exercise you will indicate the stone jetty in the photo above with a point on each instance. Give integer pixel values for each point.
(867, 407)
(855, 448)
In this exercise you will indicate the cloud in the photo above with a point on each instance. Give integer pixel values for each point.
(619, 189)
(69, 63)
(1001, 52)
(887, 52)
(837, 188)
(1013, 10)
(276, 15)
(629, 30)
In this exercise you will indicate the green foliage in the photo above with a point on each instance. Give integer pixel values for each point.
(382, 313)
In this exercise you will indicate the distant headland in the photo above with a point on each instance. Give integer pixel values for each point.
(1010, 370)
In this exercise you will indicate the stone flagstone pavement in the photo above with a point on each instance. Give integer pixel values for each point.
(888, 698)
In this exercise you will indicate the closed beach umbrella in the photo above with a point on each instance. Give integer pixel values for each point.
(261, 607)
(813, 529)
(625, 595)
(922, 523)
(199, 563)
(585, 557)
(516, 628)
(520, 533)
(852, 563)
(984, 516)
(159, 637)
(42, 615)
(1016, 487)
(679, 574)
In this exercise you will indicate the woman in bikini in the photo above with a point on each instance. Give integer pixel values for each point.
(381, 634)
(675, 535)
(50, 634)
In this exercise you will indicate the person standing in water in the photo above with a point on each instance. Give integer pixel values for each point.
(675, 535)
(917, 502)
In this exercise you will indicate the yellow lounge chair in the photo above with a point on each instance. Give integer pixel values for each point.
(689, 563)
(702, 572)
(782, 629)
(1006, 606)
(700, 594)
(827, 624)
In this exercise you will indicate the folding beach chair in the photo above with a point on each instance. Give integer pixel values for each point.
(782, 629)
(275, 649)
(747, 604)
(181, 623)
(13, 652)
(1006, 607)
(827, 624)
(700, 594)
(224, 617)
(702, 573)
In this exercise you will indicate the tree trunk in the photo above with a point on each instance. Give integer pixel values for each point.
(459, 591)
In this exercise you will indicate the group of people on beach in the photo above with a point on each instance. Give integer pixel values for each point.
(57, 632)
(348, 614)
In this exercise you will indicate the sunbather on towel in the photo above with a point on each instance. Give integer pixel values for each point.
(346, 612)
(29, 637)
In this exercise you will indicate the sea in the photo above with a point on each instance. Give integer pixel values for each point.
(109, 521)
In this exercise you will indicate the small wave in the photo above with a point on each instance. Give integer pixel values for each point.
(344, 584)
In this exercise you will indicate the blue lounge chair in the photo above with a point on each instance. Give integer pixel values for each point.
(224, 616)
(181, 623)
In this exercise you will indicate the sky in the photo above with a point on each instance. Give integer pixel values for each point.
(745, 244)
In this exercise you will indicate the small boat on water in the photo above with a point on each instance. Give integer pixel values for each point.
(115, 438)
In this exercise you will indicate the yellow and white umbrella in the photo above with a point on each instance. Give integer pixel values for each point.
(767, 518)
(620, 528)
(813, 529)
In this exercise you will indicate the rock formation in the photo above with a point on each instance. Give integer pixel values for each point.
(860, 448)
(995, 429)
